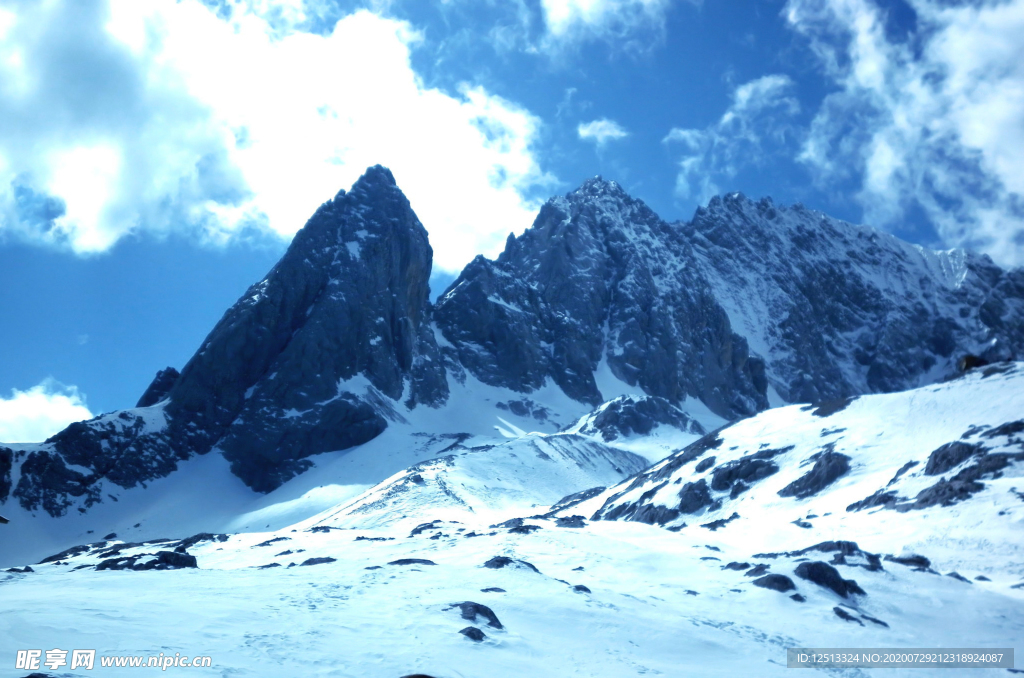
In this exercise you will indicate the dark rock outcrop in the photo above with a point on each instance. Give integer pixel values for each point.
(498, 562)
(826, 576)
(828, 467)
(913, 560)
(318, 561)
(158, 389)
(746, 470)
(6, 464)
(473, 633)
(775, 582)
(949, 456)
(471, 610)
(846, 616)
(627, 416)
(162, 560)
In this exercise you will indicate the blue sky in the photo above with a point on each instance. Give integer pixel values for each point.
(156, 156)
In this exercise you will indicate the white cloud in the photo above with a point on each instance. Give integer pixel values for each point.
(601, 131)
(759, 113)
(934, 120)
(36, 414)
(571, 20)
(162, 115)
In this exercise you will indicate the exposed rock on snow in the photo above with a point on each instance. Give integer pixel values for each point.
(498, 562)
(471, 610)
(828, 577)
(628, 416)
(473, 633)
(828, 467)
(162, 560)
(775, 582)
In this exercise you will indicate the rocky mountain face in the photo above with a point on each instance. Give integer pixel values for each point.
(349, 299)
(838, 310)
(340, 337)
(600, 278)
(308, 361)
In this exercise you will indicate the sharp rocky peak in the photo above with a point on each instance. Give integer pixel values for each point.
(599, 279)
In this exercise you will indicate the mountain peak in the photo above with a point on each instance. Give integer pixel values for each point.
(598, 186)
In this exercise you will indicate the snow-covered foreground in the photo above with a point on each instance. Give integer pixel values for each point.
(659, 604)
(330, 595)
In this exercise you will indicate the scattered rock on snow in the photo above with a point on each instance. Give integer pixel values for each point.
(913, 560)
(571, 521)
(756, 571)
(704, 465)
(846, 616)
(828, 467)
(473, 633)
(163, 560)
(412, 561)
(949, 456)
(775, 582)
(317, 561)
(498, 562)
(739, 567)
(471, 610)
(828, 577)
(69, 553)
(873, 620)
(722, 522)
(524, 529)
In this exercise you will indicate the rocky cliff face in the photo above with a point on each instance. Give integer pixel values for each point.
(600, 279)
(275, 381)
(839, 310)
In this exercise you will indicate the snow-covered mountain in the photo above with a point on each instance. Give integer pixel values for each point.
(837, 310)
(465, 564)
(600, 298)
(575, 439)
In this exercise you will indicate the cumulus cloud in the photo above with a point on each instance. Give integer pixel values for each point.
(601, 131)
(758, 116)
(933, 120)
(36, 414)
(119, 116)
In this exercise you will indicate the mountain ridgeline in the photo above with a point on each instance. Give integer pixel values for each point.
(747, 304)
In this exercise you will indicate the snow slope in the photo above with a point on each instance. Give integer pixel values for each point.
(944, 463)
(203, 495)
(336, 594)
